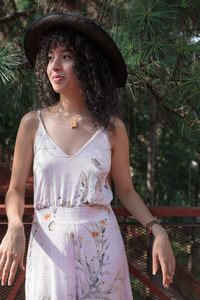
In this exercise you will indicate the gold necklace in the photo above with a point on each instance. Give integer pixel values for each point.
(73, 119)
(73, 122)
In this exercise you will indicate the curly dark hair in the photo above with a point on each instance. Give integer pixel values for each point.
(92, 70)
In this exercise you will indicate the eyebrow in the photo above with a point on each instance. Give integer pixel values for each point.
(64, 50)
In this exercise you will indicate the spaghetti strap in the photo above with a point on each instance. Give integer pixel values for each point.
(39, 115)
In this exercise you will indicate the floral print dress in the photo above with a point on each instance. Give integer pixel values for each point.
(75, 249)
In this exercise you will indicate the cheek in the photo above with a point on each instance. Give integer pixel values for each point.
(48, 71)
(72, 74)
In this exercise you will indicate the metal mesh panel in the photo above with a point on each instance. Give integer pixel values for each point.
(140, 291)
(186, 244)
(185, 241)
(138, 249)
(20, 294)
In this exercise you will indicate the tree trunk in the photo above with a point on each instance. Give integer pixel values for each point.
(151, 151)
(196, 200)
(197, 185)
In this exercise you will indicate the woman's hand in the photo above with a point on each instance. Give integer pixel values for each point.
(12, 252)
(163, 253)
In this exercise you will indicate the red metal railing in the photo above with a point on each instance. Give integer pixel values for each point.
(136, 243)
(161, 211)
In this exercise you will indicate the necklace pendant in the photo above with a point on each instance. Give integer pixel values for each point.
(73, 122)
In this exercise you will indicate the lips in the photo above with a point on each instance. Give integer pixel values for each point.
(57, 78)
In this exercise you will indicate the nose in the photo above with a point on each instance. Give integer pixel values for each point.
(56, 64)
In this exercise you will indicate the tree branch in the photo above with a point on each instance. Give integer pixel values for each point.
(15, 16)
(14, 6)
(191, 122)
(194, 108)
(102, 8)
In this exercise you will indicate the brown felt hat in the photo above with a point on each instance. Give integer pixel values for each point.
(94, 32)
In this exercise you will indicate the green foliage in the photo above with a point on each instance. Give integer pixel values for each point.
(16, 94)
(23, 5)
(7, 66)
(160, 42)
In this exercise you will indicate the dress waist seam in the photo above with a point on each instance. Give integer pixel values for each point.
(72, 214)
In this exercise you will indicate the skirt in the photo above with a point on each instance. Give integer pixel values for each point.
(76, 253)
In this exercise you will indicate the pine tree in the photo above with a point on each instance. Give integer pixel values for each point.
(160, 42)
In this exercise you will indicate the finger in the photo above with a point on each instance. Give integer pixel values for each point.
(13, 270)
(2, 263)
(170, 272)
(164, 273)
(154, 264)
(6, 270)
(173, 268)
(21, 262)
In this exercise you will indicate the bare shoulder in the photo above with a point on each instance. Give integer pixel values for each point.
(119, 133)
(29, 123)
(119, 126)
(30, 119)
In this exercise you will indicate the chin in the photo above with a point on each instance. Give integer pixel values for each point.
(57, 89)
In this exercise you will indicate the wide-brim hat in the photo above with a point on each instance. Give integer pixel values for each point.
(90, 29)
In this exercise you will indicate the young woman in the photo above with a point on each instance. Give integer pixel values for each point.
(74, 144)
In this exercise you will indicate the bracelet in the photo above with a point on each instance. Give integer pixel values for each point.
(148, 226)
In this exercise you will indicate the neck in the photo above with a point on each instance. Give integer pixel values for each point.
(73, 105)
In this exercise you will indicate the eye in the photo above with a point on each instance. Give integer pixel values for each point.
(67, 56)
(50, 57)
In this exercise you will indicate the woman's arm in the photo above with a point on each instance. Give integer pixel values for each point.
(13, 244)
(120, 172)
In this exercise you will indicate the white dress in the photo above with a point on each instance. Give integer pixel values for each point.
(75, 248)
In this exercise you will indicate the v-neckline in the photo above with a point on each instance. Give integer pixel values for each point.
(78, 151)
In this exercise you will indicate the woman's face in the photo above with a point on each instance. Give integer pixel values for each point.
(60, 70)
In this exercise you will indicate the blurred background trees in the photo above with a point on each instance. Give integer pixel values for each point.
(160, 41)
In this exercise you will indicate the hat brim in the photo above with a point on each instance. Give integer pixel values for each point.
(101, 38)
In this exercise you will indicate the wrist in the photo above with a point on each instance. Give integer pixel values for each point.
(153, 227)
(149, 226)
(16, 224)
(157, 229)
